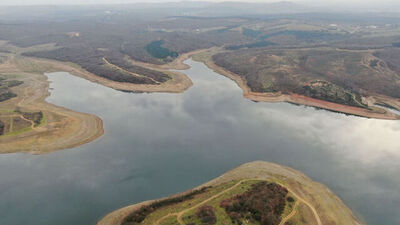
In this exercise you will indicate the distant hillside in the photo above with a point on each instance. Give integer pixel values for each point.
(242, 8)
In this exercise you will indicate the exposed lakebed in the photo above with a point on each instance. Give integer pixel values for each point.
(158, 144)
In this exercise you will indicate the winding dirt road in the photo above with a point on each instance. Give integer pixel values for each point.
(291, 214)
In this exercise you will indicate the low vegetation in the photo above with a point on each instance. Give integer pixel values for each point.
(259, 201)
(156, 49)
(16, 121)
(93, 61)
(257, 44)
(264, 203)
(274, 53)
(257, 193)
(4, 96)
(138, 216)
(328, 74)
(5, 85)
(35, 117)
(30, 124)
(333, 93)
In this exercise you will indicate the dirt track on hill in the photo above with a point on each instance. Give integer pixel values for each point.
(326, 208)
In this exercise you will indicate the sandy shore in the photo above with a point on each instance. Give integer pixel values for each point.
(328, 207)
(374, 112)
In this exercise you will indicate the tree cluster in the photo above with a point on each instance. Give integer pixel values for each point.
(207, 215)
(264, 203)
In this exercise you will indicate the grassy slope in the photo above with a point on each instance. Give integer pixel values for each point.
(316, 201)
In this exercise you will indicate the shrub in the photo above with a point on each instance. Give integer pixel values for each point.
(207, 215)
(264, 203)
(1, 128)
(139, 215)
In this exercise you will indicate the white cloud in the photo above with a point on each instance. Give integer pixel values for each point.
(57, 2)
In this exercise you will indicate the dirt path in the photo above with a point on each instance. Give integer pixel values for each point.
(314, 211)
(126, 71)
(180, 214)
(22, 117)
(299, 199)
(178, 84)
(291, 214)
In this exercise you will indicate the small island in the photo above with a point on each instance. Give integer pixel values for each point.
(254, 193)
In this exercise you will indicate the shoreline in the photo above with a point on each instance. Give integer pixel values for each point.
(179, 82)
(378, 113)
(323, 202)
(81, 128)
(63, 128)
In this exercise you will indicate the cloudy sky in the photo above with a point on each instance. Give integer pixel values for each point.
(57, 2)
(358, 5)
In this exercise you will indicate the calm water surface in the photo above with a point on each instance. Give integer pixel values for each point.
(159, 144)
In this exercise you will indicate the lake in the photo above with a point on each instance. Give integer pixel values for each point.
(157, 144)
